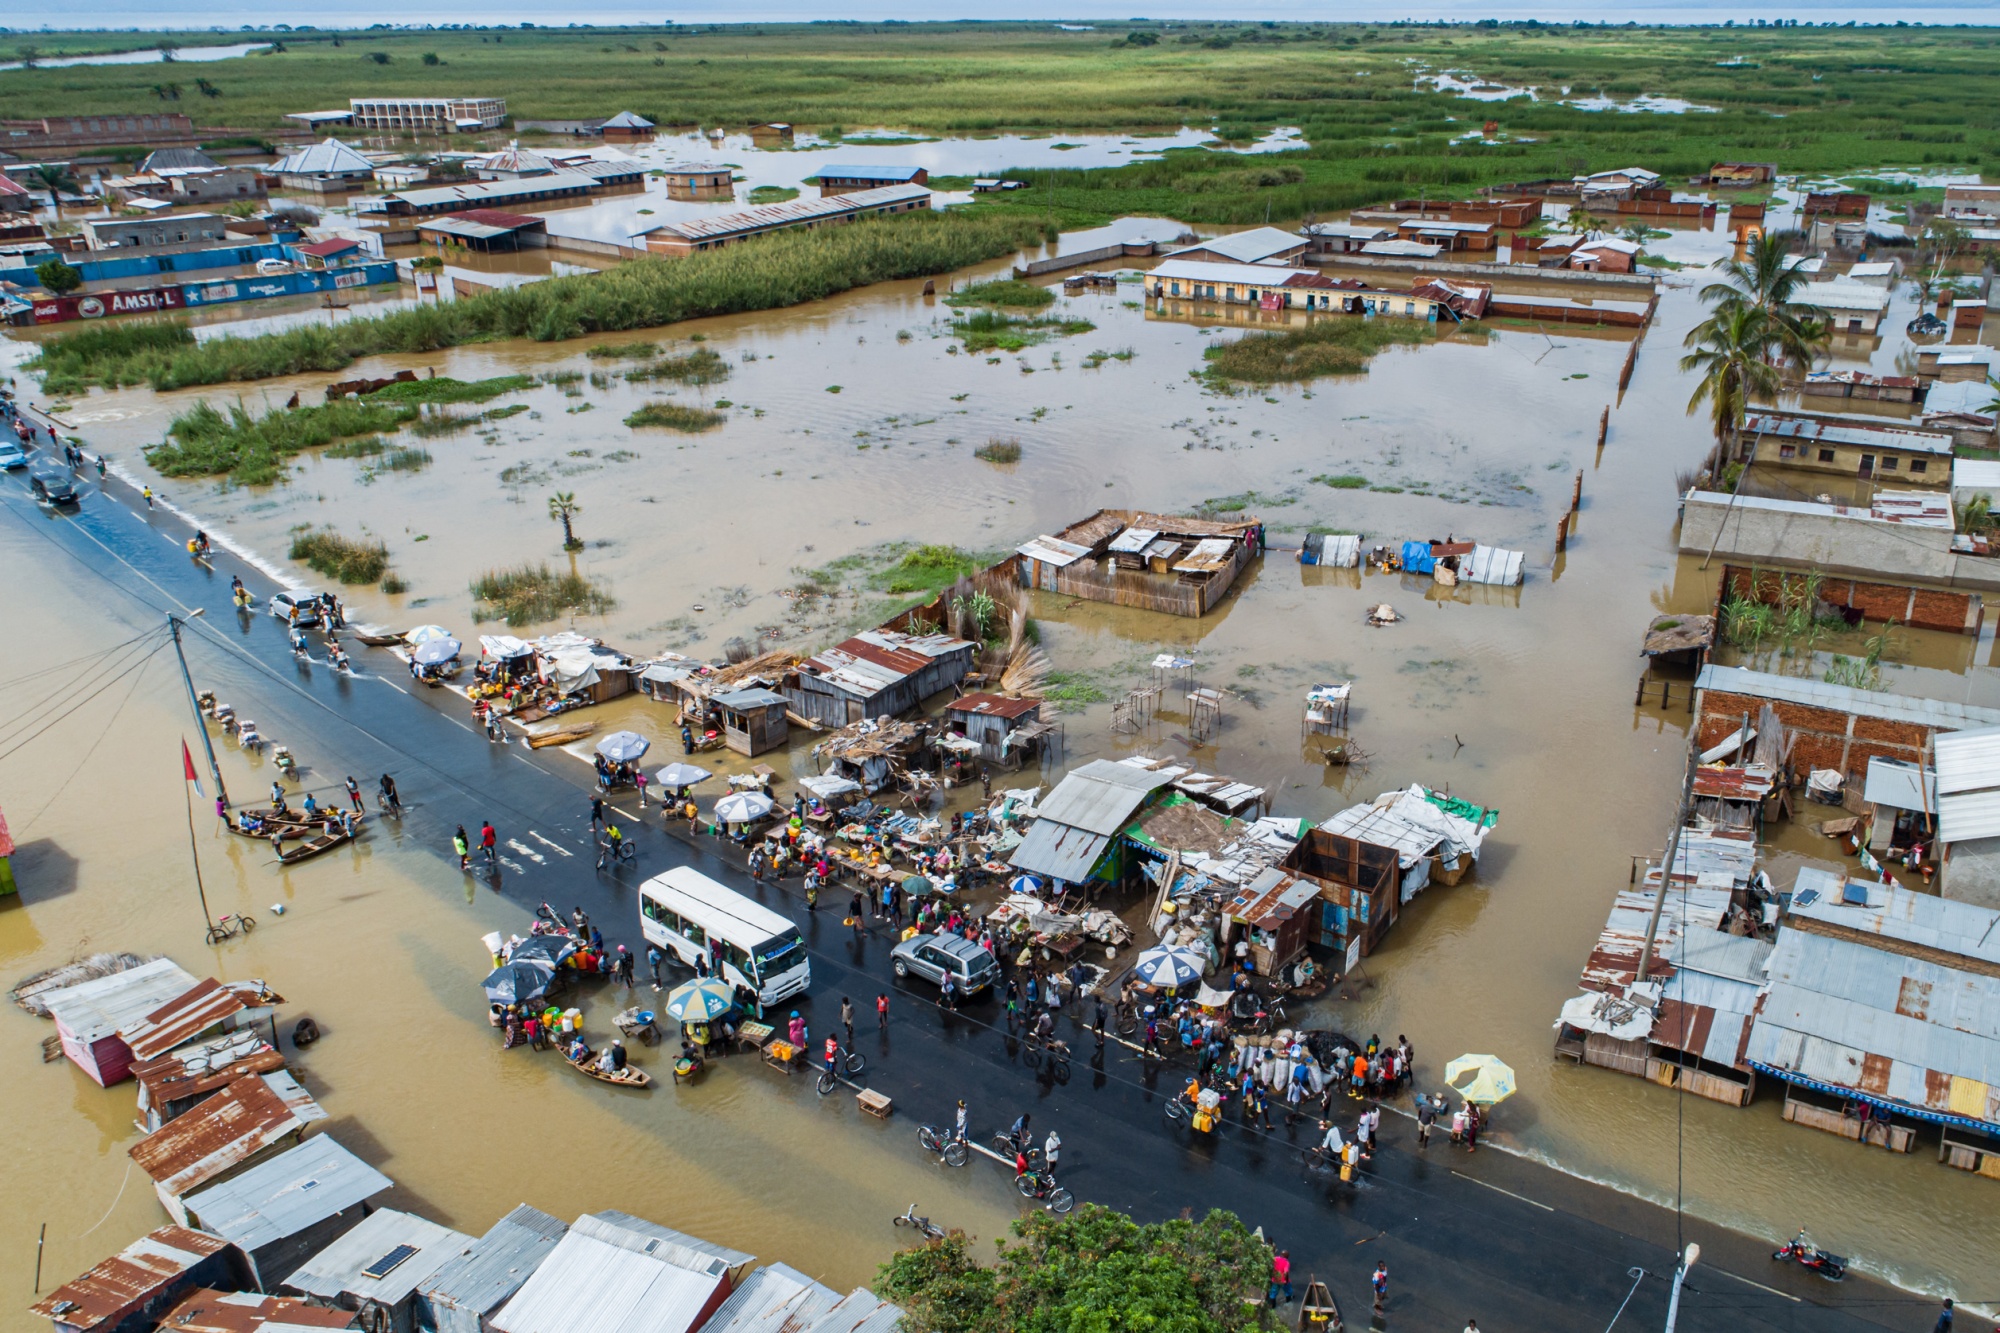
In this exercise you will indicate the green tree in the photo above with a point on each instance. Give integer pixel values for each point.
(1095, 1271)
(431, 58)
(167, 50)
(55, 178)
(1767, 281)
(58, 277)
(1729, 353)
(379, 57)
(562, 508)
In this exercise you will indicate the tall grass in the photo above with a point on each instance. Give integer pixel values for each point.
(990, 330)
(344, 558)
(1002, 292)
(528, 594)
(779, 270)
(1332, 345)
(445, 389)
(676, 416)
(699, 367)
(254, 450)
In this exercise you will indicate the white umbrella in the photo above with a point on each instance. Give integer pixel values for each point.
(1027, 884)
(623, 747)
(425, 633)
(1169, 967)
(742, 807)
(681, 775)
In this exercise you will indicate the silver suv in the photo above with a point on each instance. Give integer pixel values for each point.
(931, 956)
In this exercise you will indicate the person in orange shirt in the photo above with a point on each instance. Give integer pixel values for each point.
(1360, 1075)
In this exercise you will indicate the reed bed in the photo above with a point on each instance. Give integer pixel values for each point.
(528, 594)
(699, 367)
(676, 416)
(348, 559)
(254, 451)
(1328, 346)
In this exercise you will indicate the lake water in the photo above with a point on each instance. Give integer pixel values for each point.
(189, 54)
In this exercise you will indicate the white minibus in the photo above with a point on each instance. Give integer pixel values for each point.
(689, 914)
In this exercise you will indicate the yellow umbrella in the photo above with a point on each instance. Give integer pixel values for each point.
(1485, 1079)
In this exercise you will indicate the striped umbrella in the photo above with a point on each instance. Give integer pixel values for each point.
(1169, 966)
(1485, 1079)
(700, 1001)
(1027, 884)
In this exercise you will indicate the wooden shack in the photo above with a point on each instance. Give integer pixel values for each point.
(877, 673)
(989, 719)
(1360, 887)
(753, 720)
(1276, 910)
(1180, 565)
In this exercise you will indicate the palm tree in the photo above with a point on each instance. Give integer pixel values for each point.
(563, 507)
(1730, 355)
(55, 178)
(1765, 280)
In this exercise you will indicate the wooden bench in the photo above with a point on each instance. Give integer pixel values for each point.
(874, 1103)
(753, 1036)
(783, 1055)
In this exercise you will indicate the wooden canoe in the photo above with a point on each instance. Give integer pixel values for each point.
(561, 736)
(631, 1076)
(377, 640)
(325, 842)
(291, 824)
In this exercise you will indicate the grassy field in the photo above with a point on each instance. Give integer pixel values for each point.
(1811, 99)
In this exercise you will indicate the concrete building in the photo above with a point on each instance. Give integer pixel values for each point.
(511, 163)
(1607, 254)
(680, 239)
(848, 177)
(1477, 237)
(1273, 287)
(1903, 537)
(168, 229)
(1849, 446)
(1259, 245)
(1345, 238)
(1851, 307)
(327, 167)
(427, 115)
(698, 180)
(629, 126)
(1832, 726)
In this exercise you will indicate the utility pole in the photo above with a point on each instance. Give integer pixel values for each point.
(174, 624)
(1673, 852)
(1680, 1275)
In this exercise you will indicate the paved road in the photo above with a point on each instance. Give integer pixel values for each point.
(1491, 1236)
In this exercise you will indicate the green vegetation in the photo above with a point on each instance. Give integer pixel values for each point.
(1092, 1270)
(366, 446)
(778, 270)
(532, 593)
(563, 508)
(997, 450)
(675, 416)
(338, 557)
(1073, 691)
(58, 277)
(404, 460)
(1779, 610)
(203, 442)
(445, 389)
(989, 330)
(611, 352)
(1328, 346)
(928, 569)
(1346, 481)
(699, 367)
(1002, 292)
(773, 194)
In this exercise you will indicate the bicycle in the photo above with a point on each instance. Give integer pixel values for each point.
(851, 1061)
(1003, 1143)
(1125, 1017)
(1037, 1185)
(949, 1148)
(923, 1225)
(228, 924)
(1054, 1049)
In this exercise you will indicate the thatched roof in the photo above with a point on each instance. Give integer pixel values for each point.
(1181, 825)
(1678, 634)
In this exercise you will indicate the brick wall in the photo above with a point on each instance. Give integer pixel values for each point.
(1919, 608)
(1825, 737)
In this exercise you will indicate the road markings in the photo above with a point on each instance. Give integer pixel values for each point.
(527, 851)
(1497, 1190)
(556, 847)
(1760, 1286)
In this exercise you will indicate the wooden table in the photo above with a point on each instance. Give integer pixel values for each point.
(753, 1036)
(874, 1103)
(783, 1055)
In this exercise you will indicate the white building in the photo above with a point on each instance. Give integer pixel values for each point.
(428, 115)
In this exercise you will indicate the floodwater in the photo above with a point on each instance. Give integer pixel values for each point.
(1471, 87)
(851, 425)
(153, 56)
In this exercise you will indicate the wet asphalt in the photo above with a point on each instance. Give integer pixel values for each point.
(1487, 1236)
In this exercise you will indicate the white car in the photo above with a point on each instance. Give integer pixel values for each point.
(271, 268)
(306, 604)
(12, 455)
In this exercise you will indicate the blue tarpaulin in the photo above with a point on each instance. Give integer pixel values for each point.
(1417, 558)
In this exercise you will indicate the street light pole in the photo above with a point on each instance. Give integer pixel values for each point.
(174, 624)
(1680, 1276)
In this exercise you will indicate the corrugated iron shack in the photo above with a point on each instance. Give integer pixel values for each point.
(289, 1207)
(1073, 838)
(991, 720)
(128, 1292)
(207, 1311)
(877, 673)
(375, 1268)
(1276, 911)
(1359, 886)
(177, 1081)
(753, 720)
(207, 1007)
(1176, 564)
(89, 1014)
(485, 1274)
(1967, 791)
(611, 1277)
(244, 1123)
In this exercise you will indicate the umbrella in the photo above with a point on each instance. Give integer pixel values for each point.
(1485, 1079)
(743, 806)
(682, 775)
(551, 949)
(435, 652)
(519, 982)
(1169, 966)
(1027, 884)
(425, 633)
(917, 884)
(623, 747)
(700, 1000)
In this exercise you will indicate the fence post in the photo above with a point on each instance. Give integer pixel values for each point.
(1603, 425)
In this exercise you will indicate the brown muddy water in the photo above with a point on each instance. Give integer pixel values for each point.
(851, 425)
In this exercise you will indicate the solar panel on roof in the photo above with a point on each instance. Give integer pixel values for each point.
(388, 1263)
(1854, 894)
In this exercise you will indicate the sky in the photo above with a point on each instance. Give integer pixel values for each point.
(231, 14)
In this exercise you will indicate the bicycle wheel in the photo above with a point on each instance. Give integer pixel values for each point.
(1059, 1070)
(1176, 1110)
(249, 924)
(827, 1082)
(932, 1141)
(1127, 1026)
(901, 1221)
(1027, 1184)
(856, 1062)
(1031, 1056)
(1061, 1199)
(954, 1153)
(216, 934)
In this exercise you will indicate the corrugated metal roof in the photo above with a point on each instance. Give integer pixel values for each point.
(1840, 295)
(1052, 551)
(206, 1311)
(1211, 555)
(755, 697)
(1944, 925)
(696, 169)
(1271, 899)
(1133, 540)
(1968, 816)
(93, 1010)
(860, 1311)
(1753, 782)
(1059, 851)
(877, 659)
(1848, 432)
(128, 1277)
(234, 1125)
(1613, 962)
(328, 157)
(341, 1269)
(1492, 564)
(856, 171)
(603, 1278)
(1372, 824)
(1968, 760)
(774, 1299)
(627, 120)
(1901, 784)
(791, 212)
(491, 1269)
(1210, 270)
(203, 1068)
(287, 1194)
(1249, 247)
(179, 1021)
(695, 1246)
(535, 187)
(1941, 713)
(992, 705)
(1101, 796)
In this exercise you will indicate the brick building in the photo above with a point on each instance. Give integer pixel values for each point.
(1835, 726)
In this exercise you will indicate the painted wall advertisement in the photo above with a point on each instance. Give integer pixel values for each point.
(95, 305)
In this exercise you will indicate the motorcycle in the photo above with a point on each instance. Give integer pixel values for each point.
(1801, 1250)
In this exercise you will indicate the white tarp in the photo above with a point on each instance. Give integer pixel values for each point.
(826, 786)
(503, 645)
(1491, 564)
(1461, 835)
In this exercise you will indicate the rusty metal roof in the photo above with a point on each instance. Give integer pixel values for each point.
(1752, 782)
(206, 1311)
(992, 705)
(1272, 899)
(194, 1071)
(127, 1279)
(185, 1017)
(225, 1131)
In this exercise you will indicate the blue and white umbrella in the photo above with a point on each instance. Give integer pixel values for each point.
(1027, 884)
(677, 775)
(743, 807)
(702, 1000)
(425, 633)
(1169, 966)
(623, 747)
(435, 652)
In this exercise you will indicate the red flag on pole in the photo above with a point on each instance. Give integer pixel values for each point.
(187, 768)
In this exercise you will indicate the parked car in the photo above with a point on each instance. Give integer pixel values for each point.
(307, 604)
(271, 268)
(52, 484)
(12, 455)
(931, 956)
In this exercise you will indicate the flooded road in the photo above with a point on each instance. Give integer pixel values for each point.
(851, 425)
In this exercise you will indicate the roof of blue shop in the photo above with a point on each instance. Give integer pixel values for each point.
(285, 1195)
(856, 171)
(790, 213)
(875, 659)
